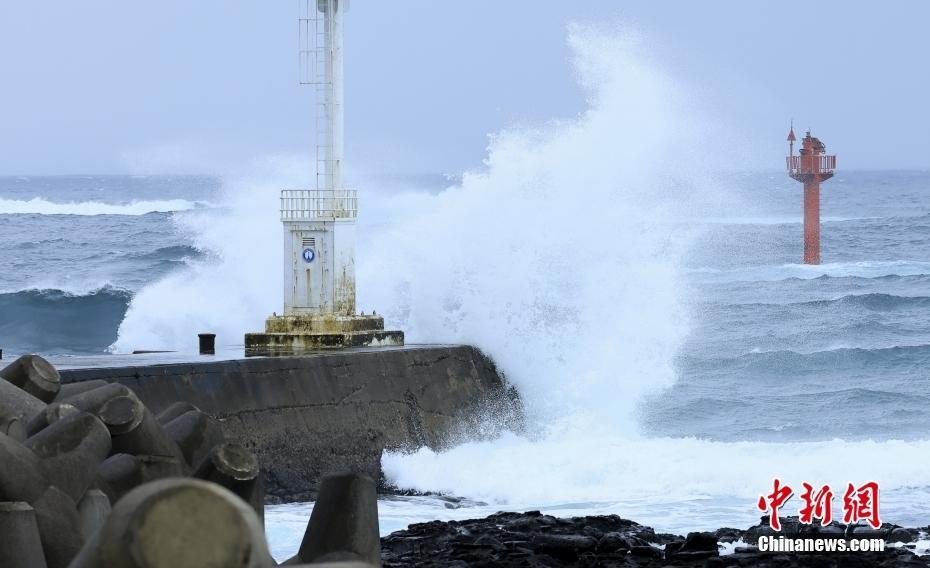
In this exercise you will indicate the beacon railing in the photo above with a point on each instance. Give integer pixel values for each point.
(309, 204)
(810, 164)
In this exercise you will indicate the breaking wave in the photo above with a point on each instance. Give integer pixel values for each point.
(770, 273)
(877, 302)
(795, 366)
(39, 206)
(54, 320)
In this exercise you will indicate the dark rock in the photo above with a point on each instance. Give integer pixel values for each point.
(901, 534)
(612, 542)
(533, 539)
(696, 545)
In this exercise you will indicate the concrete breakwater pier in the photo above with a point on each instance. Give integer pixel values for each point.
(328, 412)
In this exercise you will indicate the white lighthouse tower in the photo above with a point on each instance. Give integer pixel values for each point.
(319, 224)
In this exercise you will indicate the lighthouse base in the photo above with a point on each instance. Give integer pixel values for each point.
(296, 333)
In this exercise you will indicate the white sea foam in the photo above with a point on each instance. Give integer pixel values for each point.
(775, 272)
(41, 206)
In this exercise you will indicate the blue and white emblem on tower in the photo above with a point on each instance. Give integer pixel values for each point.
(309, 255)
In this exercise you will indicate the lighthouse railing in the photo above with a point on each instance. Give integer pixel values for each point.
(312, 204)
(811, 164)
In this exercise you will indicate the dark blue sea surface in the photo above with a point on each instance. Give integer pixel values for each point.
(780, 351)
(74, 249)
(777, 351)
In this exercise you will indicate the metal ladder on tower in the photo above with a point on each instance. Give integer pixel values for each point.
(314, 71)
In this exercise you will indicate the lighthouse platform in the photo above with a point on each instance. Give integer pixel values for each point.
(298, 333)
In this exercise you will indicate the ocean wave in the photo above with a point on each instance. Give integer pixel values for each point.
(40, 206)
(774, 273)
(877, 302)
(788, 363)
(778, 220)
(54, 320)
(169, 253)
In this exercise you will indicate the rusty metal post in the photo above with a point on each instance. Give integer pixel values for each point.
(811, 167)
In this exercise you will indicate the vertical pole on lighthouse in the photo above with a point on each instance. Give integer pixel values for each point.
(332, 146)
(321, 65)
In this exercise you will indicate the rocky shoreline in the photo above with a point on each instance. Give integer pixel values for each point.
(534, 539)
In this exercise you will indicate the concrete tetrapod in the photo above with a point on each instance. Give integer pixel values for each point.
(59, 527)
(15, 403)
(68, 390)
(196, 433)
(21, 473)
(20, 546)
(93, 508)
(122, 473)
(174, 410)
(343, 526)
(178, 523)
(51, 414)
(71, 450)
(238, 470)
(34, 375)
(135, 430)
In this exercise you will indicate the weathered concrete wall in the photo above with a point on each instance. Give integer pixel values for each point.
(309, 416)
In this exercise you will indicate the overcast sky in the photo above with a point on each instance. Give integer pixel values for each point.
(114, 86)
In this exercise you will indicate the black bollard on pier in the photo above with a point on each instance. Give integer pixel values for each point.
(207, 343)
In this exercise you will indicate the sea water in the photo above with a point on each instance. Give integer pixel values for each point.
(672, 353)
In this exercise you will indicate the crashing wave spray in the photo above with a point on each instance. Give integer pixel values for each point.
(561, 259)
(237, 285)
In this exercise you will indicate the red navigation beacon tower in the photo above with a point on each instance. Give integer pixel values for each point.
(811, 167)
